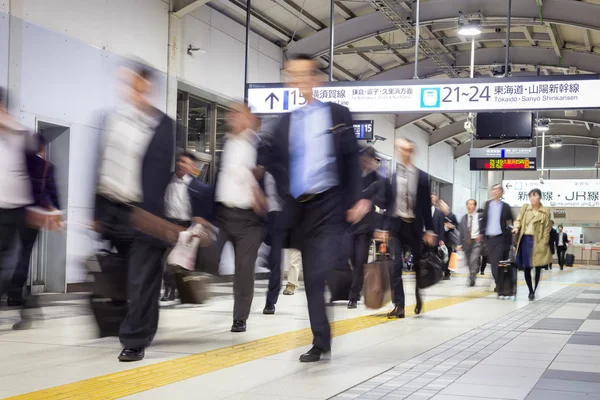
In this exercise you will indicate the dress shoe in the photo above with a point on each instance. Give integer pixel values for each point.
(397, 312)
(419, 307)
(472, 282)
(238, 326)
(289, 290)
(446, 278)
(169, 295)
(531, 296)
(496, 289)
(482, 273)
(129, 355)
(313, 355)
(352, 304)
(12, 302)
(22, 325)
(269, 309)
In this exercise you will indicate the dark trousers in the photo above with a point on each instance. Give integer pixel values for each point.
(484, 261)
(397, 253)
(496, 251)
(560, 253)
(360, 256)
(12, 223)
(28, 237)
(406, 235)
(245, 230)
(144, 278)
(318, 228)
(447, 271)
(276, 239)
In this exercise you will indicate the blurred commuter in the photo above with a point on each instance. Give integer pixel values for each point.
(451, 234)
(471, 238)
(15, 189)
(240, 207)
(294, 262)
(178, 207)
(362, 233)
(276, 237)
(135, 169)
(562, 241)
(438, 221)
(552, 243)
(314, 159)
(532, 228)
(496, 218)
(45, 196)
(410, 219)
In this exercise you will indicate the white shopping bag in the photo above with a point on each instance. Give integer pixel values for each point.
(461, 263)
(185, 251)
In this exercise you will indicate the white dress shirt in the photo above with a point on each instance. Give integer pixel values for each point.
(177, 199)
(236, 180)
(407, 180)
(560, 239)
(474, 225)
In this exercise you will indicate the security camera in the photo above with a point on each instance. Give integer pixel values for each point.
(541, 180)
(380, 138)
(469, 126)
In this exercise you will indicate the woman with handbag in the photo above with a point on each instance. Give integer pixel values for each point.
(532, 230)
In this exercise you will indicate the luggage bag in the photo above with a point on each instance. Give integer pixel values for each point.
(507, 279)
(569, 260)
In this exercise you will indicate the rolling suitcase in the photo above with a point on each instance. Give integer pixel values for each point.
(569, 260)
(507, 279)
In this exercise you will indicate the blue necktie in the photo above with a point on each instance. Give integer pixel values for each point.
(297, 183)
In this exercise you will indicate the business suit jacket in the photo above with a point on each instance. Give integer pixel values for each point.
(422, 204)
(565, 239)
(464, 232)
(553, 240)
(505, 215)
(438, 224)
(43, 184)
(374, 190)
(277, 159)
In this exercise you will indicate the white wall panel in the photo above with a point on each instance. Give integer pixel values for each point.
(573, 174)
(4, 40)
(421, 139)
(461, 188)
(441, 161)
(135, 29)
(221, 69)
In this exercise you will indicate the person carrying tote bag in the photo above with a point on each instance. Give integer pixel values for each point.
(532, 228)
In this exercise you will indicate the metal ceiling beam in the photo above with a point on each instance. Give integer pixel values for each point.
(372, 65)
(341, 70)
(579, 14)
(298, 12)
(566, 131)
(408, 118)
(485, 37)
(342, 10)
(557, 42)
(528, 32)
(397, 56)
(258, 19)
(537, 56)
(587, 39)
(183, 7)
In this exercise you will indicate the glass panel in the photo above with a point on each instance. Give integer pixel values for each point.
(221, 126)
(199, 126)
(179, 127)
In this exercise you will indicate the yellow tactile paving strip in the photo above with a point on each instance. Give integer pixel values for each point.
(121, 384)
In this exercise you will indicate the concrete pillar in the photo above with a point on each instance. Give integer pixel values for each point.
(173, 62)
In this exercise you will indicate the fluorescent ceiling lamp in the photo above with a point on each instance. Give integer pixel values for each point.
(556, 145)
(469, 29)
(542, 128)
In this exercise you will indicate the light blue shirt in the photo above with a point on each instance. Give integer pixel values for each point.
(494, 227)
(312, 156)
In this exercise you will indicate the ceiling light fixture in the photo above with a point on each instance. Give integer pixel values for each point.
(542, 125)
(468, 27)
(555, 143)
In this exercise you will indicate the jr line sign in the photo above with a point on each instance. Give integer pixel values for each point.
(555, 192)
(437, 95)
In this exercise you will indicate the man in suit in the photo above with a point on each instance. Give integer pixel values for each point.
(553, 240)
(136, 167)
(409, 218)
(471, 238)
(185, 197)
(438, 220)
(496, 219)
(45, 195)
(450, 234)
(562, 240)
(314, 160)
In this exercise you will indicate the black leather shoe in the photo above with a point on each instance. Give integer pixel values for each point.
(397, 312)
(130, 355)
(446, 278)
(352, 304)
(472, 282)
(169, 295)
(496, 289)
(238, 326)
(313, 355)
(269, 309)
(12, 302)
(531, 296)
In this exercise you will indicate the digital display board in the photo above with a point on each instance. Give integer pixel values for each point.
(487, 164)
(363, 129)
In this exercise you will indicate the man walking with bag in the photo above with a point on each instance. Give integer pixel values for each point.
(471, 239)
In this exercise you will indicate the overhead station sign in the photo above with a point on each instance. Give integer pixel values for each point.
(363, 129)
(555, 192)
(436, 96)
(503, 159)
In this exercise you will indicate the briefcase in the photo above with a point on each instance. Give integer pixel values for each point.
(377, 283)
(109, 271)
(339, 282)
(193, 287)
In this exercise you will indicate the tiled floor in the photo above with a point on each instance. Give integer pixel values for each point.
(472, 346)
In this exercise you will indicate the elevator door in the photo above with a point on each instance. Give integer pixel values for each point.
(48, 268)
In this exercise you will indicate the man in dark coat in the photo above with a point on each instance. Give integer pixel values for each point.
(553, 240)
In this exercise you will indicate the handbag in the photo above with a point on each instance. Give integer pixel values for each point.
(453, 263)
(431, 268)
(377, 283)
